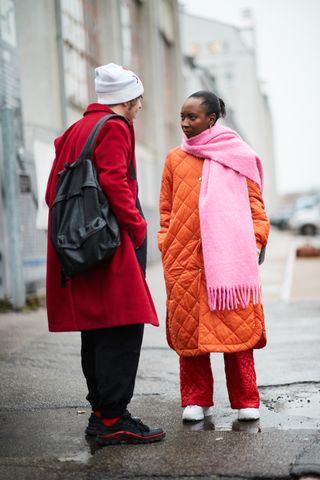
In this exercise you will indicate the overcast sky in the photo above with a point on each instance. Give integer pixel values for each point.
(288, 54)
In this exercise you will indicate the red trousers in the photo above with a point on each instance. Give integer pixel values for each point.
(196, 380)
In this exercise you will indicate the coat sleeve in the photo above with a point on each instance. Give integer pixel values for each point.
(165, 203)
(48, 190)
(112, 155)
(261, 223)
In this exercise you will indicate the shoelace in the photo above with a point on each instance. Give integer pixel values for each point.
(136, 421)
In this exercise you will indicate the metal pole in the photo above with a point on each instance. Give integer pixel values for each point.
(11, 199)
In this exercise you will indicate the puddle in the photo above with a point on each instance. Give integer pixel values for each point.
(206, 424)
(248, 427)
(89, 448)
(210, 423)
(302, 399)
(283, 407)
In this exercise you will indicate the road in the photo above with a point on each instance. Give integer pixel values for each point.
(43, 410)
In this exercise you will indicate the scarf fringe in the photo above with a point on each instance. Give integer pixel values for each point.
(231, 298)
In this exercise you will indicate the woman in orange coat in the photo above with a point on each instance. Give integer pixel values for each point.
(213, 227)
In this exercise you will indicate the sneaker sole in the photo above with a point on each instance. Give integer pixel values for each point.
(125, 438)
(207, 412)
(91, 432)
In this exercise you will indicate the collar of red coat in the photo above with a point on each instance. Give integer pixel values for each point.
(98, 107)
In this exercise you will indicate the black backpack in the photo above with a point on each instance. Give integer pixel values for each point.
(83, 229)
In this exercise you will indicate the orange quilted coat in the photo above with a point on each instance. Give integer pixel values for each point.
(192, 329)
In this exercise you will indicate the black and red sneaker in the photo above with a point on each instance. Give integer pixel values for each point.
(94, 425)
(128, 430)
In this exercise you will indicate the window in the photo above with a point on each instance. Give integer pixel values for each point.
(131, 35)
(79, 48)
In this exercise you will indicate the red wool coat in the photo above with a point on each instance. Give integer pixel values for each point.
(114, 293)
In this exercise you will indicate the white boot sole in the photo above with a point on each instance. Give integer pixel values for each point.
(248, 416)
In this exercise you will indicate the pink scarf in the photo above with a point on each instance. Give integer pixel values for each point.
(227, 235)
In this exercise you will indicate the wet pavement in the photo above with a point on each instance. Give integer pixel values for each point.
(58, 449)
(43, 411)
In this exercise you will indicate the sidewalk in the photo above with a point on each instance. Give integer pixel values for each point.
(43, 409)
(285, 277)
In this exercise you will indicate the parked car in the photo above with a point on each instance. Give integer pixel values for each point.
(302, 216)
(306, 201)
(280, 219)
(306, 221)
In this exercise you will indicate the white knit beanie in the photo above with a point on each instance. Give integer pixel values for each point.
(115, 84)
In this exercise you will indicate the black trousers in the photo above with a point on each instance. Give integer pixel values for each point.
(110, 358)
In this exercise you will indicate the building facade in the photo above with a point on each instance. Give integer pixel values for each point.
(228, 54)
(58, 45)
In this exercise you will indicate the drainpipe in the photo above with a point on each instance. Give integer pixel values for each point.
(63, 97)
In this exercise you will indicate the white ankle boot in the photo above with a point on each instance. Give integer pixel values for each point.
(247, 414)
(194, 413)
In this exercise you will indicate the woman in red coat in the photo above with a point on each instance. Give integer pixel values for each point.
(110, 303)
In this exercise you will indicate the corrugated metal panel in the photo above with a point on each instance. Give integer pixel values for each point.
(33, 240)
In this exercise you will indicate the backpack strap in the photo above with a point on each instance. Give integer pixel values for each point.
(86, 152)
(88, 146)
